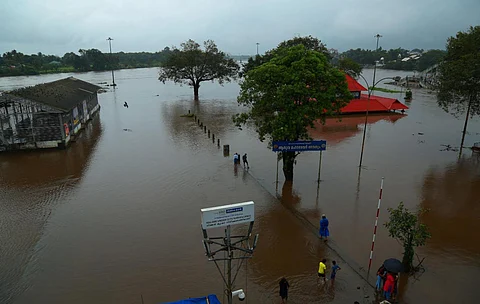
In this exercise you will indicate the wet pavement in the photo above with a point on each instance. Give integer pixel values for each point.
(116, 216)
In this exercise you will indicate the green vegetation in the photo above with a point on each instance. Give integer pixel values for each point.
(291, 89)
(405, 227)
(392, 58)
(14, 63)
(459, 79)
(191, 65)
(350, 67)
(310, 43)
(384, 90)
(408, 94)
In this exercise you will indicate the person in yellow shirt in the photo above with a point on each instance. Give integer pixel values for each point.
(322, 270)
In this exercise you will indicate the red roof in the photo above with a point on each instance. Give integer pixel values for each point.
(361, 105)
(377, 104)
(389, 103)
(353, 85)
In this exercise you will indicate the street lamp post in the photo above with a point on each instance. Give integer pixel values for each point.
(378, 36)
(257, 48)
(370, 90)
(111, 61)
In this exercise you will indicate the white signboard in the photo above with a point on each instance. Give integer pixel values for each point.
(228, 215)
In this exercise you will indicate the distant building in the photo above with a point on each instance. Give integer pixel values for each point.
(47, 115)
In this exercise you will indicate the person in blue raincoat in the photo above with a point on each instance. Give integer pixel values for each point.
(324, 232)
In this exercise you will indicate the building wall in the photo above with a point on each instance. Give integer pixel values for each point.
(23, 124)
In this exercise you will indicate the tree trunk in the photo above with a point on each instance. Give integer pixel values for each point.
(465, 126)
(288, 162)
(408, 257)
(196, 86)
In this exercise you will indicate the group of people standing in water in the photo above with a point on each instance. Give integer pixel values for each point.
(236, 160)
(387, 282)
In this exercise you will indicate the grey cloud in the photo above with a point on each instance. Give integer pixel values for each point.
(59, 26)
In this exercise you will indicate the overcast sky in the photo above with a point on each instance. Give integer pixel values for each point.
(59, 26)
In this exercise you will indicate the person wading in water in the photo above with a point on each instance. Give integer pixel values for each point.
(324, 232)
(245, 161)
(284, 289)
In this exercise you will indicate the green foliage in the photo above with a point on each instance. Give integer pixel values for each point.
(350, 67)
(408, 94)
(287, 94)
(309, 42)
(430, 58)
(14, 63)
(405, 226)
(459, 80)
(191, 65)
(393, 58)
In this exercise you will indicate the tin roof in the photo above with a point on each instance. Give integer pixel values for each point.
(63, 94)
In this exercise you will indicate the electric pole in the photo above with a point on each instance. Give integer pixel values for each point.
(257, 48)
(111, 61)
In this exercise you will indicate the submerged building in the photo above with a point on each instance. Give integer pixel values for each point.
(47, 115)
(361, 103)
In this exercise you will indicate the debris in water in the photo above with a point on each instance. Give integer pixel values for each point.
(449, 148)
(420, 133)
(127, 130)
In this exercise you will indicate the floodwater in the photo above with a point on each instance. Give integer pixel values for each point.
(115, 217)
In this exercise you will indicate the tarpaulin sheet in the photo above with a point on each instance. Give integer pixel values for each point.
(212, 299)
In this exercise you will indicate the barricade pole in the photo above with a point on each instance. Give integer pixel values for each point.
(376, 224)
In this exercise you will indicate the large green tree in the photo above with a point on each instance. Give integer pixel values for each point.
(191, 65)
(405, 227)
(309, 42)
(459, 80)
(288, 93)
(349, 66)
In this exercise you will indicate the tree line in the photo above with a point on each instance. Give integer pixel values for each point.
(392, 59)
(15, 63)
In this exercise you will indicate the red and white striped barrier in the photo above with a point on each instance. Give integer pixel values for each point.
(376, 224)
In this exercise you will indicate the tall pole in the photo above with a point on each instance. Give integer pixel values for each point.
(229, 267)
(276, 177)
(111, 61)
(319, 167)
(257, 48)
(376, 224)
(378, 36)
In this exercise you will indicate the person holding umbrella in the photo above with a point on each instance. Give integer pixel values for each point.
(392, 266)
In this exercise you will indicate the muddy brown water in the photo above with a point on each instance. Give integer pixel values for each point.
(116, 216)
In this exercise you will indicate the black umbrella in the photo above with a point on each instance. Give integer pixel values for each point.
(393, 265)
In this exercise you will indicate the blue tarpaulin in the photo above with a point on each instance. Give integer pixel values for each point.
(212, 299)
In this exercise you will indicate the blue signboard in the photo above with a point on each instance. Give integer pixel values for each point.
(299, 146)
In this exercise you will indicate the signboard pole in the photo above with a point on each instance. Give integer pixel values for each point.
(225, 216)
(276, 179)
(319, 166)
(229, 284)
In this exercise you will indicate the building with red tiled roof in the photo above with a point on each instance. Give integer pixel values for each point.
(361, 104)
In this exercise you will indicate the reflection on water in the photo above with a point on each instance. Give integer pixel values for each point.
(33, 183)
(337, 130)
